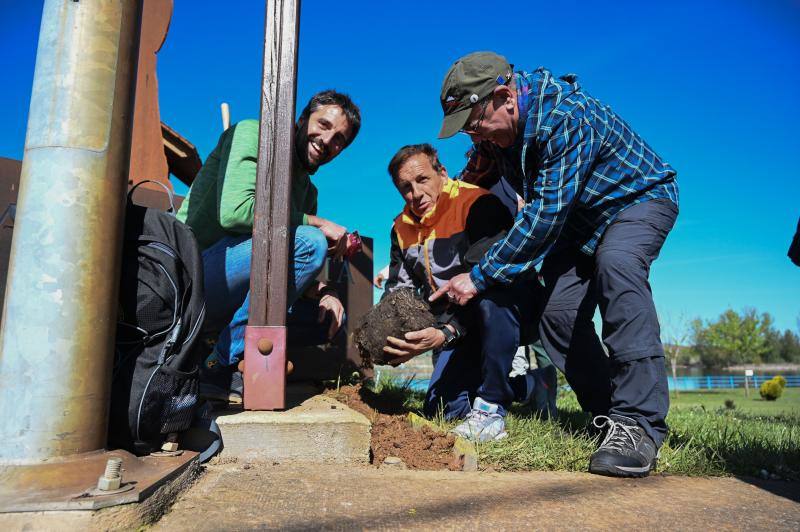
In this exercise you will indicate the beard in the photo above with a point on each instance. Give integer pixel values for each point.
(302, 147)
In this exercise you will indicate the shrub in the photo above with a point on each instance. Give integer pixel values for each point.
(780, 380)
(729, 404)
(771, 389)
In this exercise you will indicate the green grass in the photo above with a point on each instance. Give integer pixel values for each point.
(788, 403)
(705, 438)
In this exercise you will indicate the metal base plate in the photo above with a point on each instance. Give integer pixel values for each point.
(62, 484)
(264, 376)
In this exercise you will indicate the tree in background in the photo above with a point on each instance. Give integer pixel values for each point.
(783, 347)
(789, 347)
(733, 338)
(675, 332)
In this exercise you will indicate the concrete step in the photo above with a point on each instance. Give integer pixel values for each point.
(314, 429)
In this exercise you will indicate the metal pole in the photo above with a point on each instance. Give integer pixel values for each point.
(56, 340)
(265, 376)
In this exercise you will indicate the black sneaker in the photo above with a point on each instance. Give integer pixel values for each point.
(220, 383)
(626, 451)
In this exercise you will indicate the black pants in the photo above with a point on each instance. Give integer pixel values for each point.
(479, 364)
(630, 380)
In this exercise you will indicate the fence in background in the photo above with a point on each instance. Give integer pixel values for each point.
(419, 381)
(711, 382)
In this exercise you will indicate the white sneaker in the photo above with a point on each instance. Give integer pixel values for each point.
(482, 424)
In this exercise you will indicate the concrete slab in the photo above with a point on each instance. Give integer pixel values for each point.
(316, 429)
(330, 497)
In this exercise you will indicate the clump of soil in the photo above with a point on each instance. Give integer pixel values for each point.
(398, 313)
(393, 435)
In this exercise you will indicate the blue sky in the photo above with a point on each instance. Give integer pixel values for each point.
(712, 86)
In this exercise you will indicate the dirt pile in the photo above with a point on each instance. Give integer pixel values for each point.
(398, 313)
(393, 435)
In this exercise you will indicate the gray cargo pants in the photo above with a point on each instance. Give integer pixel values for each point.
(631, 379)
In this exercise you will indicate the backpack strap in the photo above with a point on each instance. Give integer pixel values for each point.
(203, 420)
(216, 445)
(169, 192)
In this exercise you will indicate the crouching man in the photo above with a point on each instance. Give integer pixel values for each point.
(446, 225)
(219, 208)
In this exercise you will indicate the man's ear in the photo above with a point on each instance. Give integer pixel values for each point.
(443, 173)
(504, 96)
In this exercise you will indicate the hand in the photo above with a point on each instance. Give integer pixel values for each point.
(378, 280)
(460, 289)
(415, 343)
(330, 304)
(336, 235)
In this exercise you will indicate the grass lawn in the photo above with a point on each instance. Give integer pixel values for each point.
(706, 437)
(788, 403)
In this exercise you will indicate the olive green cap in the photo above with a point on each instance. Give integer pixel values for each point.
(469, 80)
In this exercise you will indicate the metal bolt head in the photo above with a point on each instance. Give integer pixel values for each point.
(112, 477)
(108, 484)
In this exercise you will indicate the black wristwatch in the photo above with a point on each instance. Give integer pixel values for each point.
(450, 337)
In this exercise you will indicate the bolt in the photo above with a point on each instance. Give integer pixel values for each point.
(112, 477)
(113, 467)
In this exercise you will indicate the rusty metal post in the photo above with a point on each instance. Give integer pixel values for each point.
(56, 340)
(265, 376)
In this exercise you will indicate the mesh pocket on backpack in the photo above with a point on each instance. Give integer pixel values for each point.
(168, 404)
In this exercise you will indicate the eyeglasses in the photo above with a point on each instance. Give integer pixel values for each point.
(475, 126)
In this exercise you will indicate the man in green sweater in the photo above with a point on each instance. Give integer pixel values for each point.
(219, 208)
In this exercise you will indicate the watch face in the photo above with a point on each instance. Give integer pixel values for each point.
(449, 337)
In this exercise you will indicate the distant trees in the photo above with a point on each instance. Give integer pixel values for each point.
(742, 338)
(675, 332)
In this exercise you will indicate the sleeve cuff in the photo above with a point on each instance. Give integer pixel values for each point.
(477, 278)
(305, 219)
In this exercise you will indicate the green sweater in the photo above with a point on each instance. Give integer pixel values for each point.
(221, 200)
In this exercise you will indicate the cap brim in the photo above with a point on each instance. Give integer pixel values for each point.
(455, 122)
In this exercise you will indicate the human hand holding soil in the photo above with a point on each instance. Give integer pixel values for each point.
(398, 313)
(415, 343)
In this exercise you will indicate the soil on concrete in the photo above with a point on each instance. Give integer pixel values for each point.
(393, 435)
(399, 312)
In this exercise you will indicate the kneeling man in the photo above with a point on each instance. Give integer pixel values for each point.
(444, 228)
(220, 208)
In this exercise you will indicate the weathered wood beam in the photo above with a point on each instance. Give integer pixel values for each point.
(265, 376)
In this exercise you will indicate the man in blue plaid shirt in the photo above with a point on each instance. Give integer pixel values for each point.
(598, 205)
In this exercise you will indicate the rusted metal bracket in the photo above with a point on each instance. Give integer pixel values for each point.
(264, 368)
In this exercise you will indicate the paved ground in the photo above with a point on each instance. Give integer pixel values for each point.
(297, 497)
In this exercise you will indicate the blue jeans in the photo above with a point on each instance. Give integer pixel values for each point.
(479, 364)
(226, 267)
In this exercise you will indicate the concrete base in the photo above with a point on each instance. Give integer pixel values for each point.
(317, 429)
(123, 517)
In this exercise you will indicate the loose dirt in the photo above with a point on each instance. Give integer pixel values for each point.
(398, 313)
(393, 435)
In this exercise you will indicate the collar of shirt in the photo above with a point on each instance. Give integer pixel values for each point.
(523, 88)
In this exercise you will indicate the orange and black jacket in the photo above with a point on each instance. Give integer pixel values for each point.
(451, 238)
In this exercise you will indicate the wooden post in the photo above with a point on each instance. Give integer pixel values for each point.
(265, 336)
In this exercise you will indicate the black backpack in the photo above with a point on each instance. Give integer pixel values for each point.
(160, 315)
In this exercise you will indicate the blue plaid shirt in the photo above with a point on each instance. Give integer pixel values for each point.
(576, 164)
